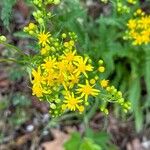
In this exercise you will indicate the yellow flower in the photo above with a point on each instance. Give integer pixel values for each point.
(82, 67)
(61, 79)
(69, 56)
(71, 68)
(104, 83)
(45, 49)
(49, 64)
(32, 26)
(50, 78)
(37, 90)
(43, 38)
(37, 77)
(73, 79)
(101, 69)
(138, 28)
(71, 102)
(87, 90)
(131, 24)
(62, 66)
(81, 109)
(92, 81)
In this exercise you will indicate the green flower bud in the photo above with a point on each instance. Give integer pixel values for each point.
(119, 94)
(53, 106)
(56, 112)
(64, 35)
(121, 100)
(3, 38)
(25, 29)
(86, 103)
(31, 32)
(101, 62)
(57, 100)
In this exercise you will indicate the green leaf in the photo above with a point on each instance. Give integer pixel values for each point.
(21, 34)
(6, 11)
(147, 75)
(100, 138)
(88, 144)
(74, 142)
(134, 96)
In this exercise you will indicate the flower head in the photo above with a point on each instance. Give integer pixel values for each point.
(37, 90)
(72, 102)
(43, 38)
(69, 56)
(86, 90)
(104, 83)
(37, 76)
(49, 64)
(82, 66)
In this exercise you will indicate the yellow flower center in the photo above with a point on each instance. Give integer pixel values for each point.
(104, 83)
(43, 38)
(73, 101)
(82, 68)
(70, 56)
(87, 89)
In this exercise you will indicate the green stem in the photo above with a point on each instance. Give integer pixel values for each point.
(94, 108)
(90, 114)
(59, 119)
(12, 47)
(68, 116)
(8, 60)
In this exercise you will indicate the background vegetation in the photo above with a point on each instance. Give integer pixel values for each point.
(100, 30)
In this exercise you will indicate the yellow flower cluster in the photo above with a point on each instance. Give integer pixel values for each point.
(63, 78)
(62, 74)
(112, 95)
(41, 15)
(139, 28)
(115, 95)
(31, 28)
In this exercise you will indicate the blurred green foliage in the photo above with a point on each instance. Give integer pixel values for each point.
(6, 11)
(17, 103)
(90, 141)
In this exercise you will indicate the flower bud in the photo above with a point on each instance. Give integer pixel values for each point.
(3, 38)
